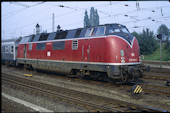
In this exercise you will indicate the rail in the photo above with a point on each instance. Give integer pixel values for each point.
(95, 102)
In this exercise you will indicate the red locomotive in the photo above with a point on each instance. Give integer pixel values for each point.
(99, 51)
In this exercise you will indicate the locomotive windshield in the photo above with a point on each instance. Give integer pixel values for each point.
(121, 31)
(124, 29)
(117, 29)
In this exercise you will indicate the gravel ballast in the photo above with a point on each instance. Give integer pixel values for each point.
(156, 101)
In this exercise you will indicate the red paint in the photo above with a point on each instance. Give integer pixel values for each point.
(101, 50)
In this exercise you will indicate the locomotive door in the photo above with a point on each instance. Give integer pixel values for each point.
(25, 51)
(48, 48)
(86, 51)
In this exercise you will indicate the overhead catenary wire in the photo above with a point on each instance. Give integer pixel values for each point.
(100, 17)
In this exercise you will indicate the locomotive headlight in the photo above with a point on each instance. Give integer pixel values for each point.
(122, 52)
(122, 56)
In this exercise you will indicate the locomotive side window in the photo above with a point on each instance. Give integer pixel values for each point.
(71, 34)
(43, 37)
(41, 46)
(59, 45)
(58, 35)
(51, 36)
(30, 47)
(77, 33)
(74, 44)
(36, 38)
(32, 38)
(83, 31)
(63, 35)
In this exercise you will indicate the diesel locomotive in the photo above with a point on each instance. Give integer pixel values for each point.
(104, 51)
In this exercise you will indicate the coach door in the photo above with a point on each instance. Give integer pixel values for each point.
(25, 51)
(86, 51)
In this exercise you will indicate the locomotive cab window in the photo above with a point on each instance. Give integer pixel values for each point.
(94, 32)
(125, 30)
(100, 31)
(41, 46)
(114, 30)
(88, 32)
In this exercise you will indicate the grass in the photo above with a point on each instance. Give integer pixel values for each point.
(156, 54)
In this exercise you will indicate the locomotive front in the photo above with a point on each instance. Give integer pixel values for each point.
(124, 54)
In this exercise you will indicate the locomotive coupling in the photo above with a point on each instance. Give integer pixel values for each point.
(137, 71)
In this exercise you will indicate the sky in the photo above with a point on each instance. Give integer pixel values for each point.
(20, 18)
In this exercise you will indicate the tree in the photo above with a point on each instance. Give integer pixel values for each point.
(94, 18)
(146, 41)
(164, 31)
(86, 19)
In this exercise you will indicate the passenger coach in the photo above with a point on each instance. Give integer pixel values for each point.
(9, 51)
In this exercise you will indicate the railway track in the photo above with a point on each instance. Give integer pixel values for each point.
(90, 101)
(155, 77)
(147, 89)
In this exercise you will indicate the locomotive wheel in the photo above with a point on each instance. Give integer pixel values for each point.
(124, 78)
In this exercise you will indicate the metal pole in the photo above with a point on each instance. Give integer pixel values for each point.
(160, 53)
(53, 23)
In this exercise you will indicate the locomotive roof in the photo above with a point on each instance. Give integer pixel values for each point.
(62, 34)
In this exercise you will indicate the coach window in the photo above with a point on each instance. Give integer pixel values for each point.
(41, 46)
(6, 49)
(3, 49)
(30, 47)
(12, 49)
(59, 45)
